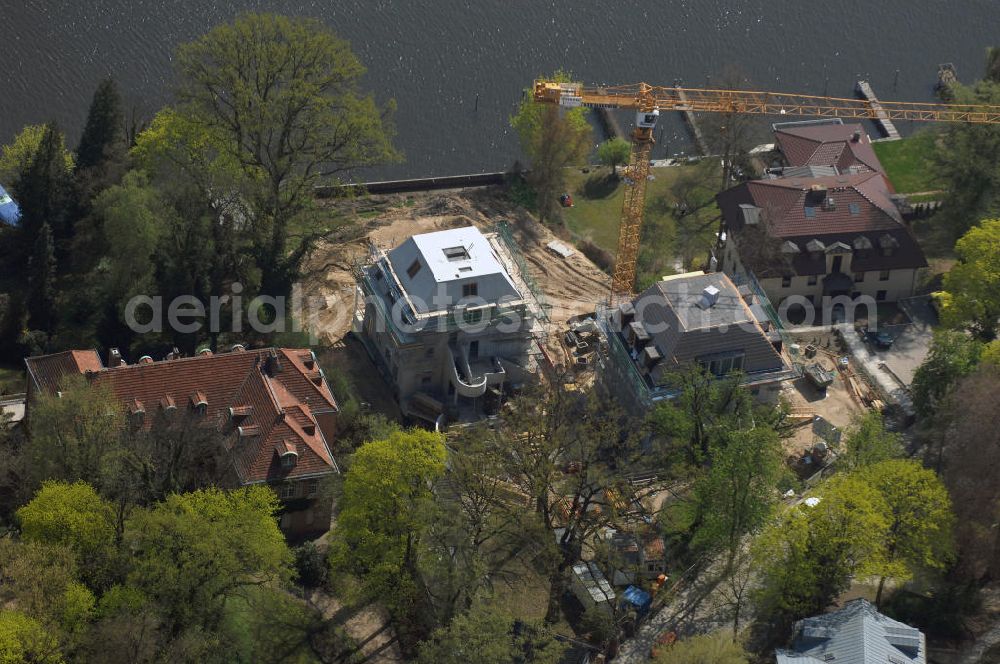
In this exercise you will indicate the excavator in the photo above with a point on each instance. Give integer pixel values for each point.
(648, 101)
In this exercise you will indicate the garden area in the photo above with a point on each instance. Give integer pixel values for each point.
(907, 162)
(679, 225)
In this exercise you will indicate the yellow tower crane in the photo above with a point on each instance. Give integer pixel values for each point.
(647, 101)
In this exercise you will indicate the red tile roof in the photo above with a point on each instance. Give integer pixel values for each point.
(272, 394)
(863, 210)
(829, 145)
(47, 370)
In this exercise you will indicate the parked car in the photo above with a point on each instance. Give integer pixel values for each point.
(878, 338)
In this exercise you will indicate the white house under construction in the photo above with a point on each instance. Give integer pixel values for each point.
(449, 320)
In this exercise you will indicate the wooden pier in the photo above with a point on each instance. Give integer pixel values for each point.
(864, 89)
(699, 140)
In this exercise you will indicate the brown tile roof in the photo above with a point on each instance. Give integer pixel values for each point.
(271, 408)
(47, 370)
(864, 212)
(828, 145)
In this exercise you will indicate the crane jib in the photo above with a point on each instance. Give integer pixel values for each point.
(648, 100)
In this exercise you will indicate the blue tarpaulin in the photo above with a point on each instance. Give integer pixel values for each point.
(9, 211)
(638, 598)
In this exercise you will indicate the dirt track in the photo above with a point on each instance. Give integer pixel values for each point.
(569, 286)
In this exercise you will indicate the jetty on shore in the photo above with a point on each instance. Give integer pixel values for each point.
(692, 122)
(864, 90)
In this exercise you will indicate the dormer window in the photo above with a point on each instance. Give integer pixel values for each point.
(815, 249)
(239, 413)
(287, 454)
(862, 246)
(888, 244)
(137, 413)
(199, 403)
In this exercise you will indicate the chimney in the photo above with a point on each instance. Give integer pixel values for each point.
(173, 354)
(817, 192)
(115, 358)
(709, 297)
(272, 365)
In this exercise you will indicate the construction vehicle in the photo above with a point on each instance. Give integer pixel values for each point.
(648, 101)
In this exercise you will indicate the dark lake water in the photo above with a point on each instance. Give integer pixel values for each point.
(435, 56)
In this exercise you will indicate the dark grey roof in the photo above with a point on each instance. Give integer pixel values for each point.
(683, 329)
(684, 295)
(856, 634)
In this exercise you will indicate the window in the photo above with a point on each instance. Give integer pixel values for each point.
(470, 289)
(859, 277)
(720, 365)
(456, 253)
(414, 268)
(810, 212)
(813, 279)
(472, 317)
(288, 490)
(880, 295)
(855, 209)
(288, 460)
(312, 487)
(883, 275)
(651, 567)
(786, 281)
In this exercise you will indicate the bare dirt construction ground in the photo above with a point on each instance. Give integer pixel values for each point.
(837, 406)
(569, 286)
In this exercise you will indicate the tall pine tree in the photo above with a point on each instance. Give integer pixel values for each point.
(42, 190)
(103, 135)
(42, 282)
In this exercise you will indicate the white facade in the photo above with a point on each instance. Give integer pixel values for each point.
(448, 320)
(881, 285)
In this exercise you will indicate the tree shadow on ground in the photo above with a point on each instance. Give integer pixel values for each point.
(600, 185)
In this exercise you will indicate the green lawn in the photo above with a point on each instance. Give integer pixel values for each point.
(596, 215)
(907, 162)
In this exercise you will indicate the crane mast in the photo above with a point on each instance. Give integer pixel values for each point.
(648, 101)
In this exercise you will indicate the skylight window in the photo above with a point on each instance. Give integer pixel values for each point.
(855, 208)
(456, 253)
(413, 269)
(810, 212)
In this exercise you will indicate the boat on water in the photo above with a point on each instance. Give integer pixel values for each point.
(10, 213)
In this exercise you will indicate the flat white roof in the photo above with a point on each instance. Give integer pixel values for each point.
(458, 253)
(438, 270)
